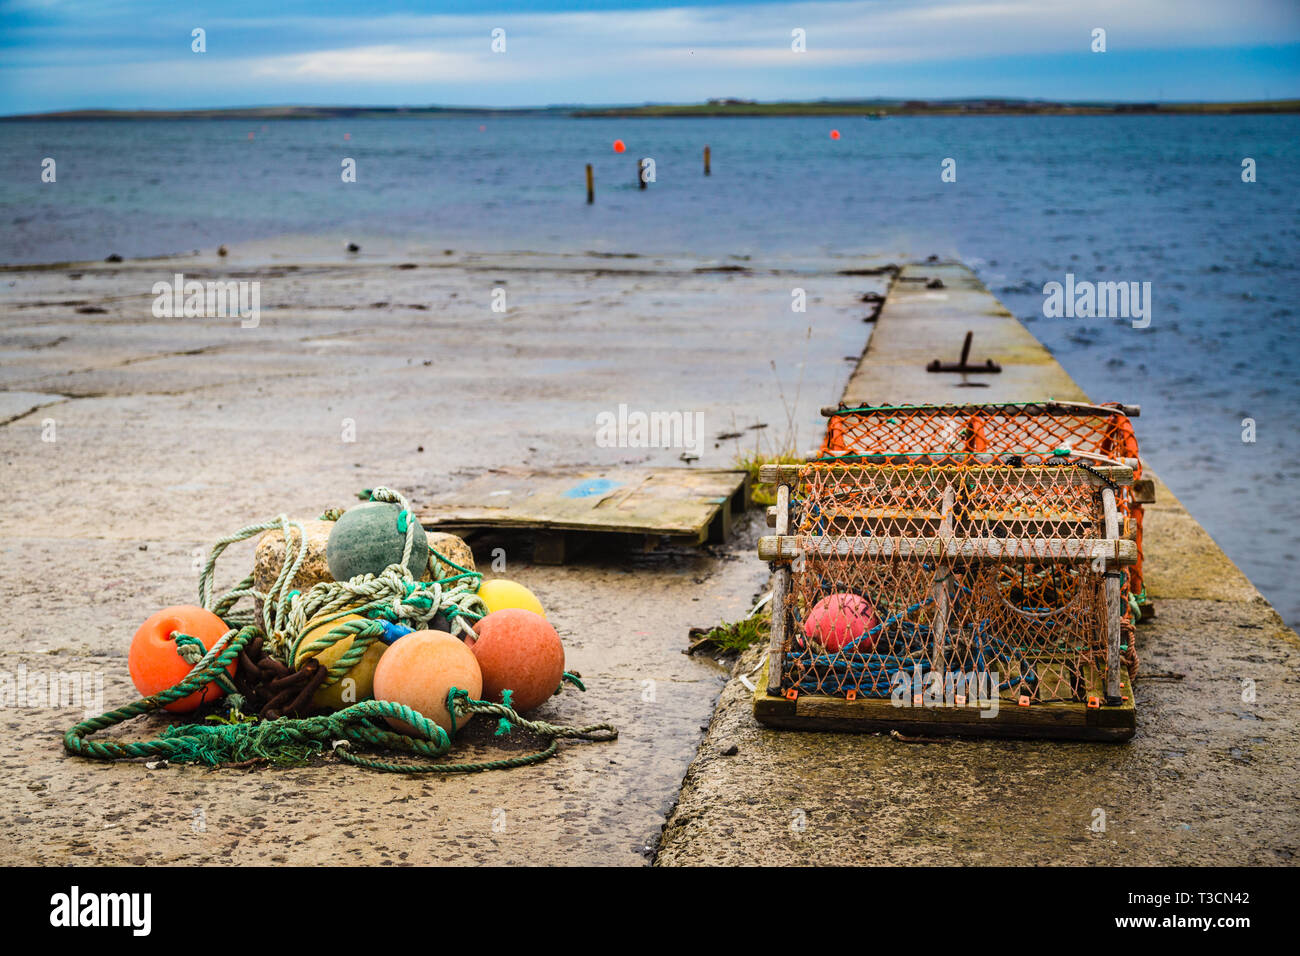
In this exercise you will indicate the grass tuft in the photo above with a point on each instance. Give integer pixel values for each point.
(765, 495)
(735, 637)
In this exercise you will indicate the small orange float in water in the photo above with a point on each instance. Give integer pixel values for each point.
(156, 664)
(419, 669)
(520, 651)
(618, 146)
(347, 136)
(835, 134)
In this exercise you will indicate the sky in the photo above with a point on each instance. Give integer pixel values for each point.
(136, 54)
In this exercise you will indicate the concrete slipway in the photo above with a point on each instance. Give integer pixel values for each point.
(1209, 778)
(169, 433)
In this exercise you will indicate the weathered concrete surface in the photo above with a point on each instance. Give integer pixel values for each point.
(169, 433)
(918, 324)
(1209, 779)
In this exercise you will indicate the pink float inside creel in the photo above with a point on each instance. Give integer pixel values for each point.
(838, 619)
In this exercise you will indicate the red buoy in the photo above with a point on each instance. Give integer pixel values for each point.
(619, 146)
(838, 619)
(519, 651)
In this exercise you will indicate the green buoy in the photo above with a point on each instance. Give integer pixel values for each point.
(370, 537)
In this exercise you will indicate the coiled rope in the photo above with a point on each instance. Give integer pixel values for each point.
(392, 602)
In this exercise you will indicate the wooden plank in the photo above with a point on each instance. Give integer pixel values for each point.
(780, 624)
(768, 701)
(548, 547)
(780, 591)
(1113, 663)
(942, 576)
(682, 502)
(1028, 409)
(1002, 550)
(990, 476)
(1144, 491)
(1057, 721)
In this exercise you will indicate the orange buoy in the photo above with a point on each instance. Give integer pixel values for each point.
(156, 664)
(518, 650)
(619, 146)
(835, 134)
(418, 670)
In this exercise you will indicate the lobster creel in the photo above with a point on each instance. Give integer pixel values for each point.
(953, 598)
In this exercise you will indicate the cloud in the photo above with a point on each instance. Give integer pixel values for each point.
(605, 55)
(390, 63)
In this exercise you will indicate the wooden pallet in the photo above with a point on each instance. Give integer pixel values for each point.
(568, 508)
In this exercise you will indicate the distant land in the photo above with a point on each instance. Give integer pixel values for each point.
(871, 108)
(962, 107)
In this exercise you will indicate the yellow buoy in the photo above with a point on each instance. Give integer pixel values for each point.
(359, 682)
(499, 594)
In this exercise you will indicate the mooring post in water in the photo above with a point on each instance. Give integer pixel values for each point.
(706, 162)
(640, 172)
(591, 186)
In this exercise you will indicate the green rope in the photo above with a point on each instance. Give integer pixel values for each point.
(393, 596)
(191, 651)
(293, 740)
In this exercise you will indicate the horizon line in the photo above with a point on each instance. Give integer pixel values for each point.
(720, 103)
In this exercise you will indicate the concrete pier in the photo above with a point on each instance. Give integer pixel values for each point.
(1210, 778)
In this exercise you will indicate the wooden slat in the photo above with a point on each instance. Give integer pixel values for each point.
(989, 477)
(780, 591)
(1000, 550)
(1036, 408)
(1144, 491)
(780, 623)
(1113, 662)
(942, 582)
(1056, 721)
